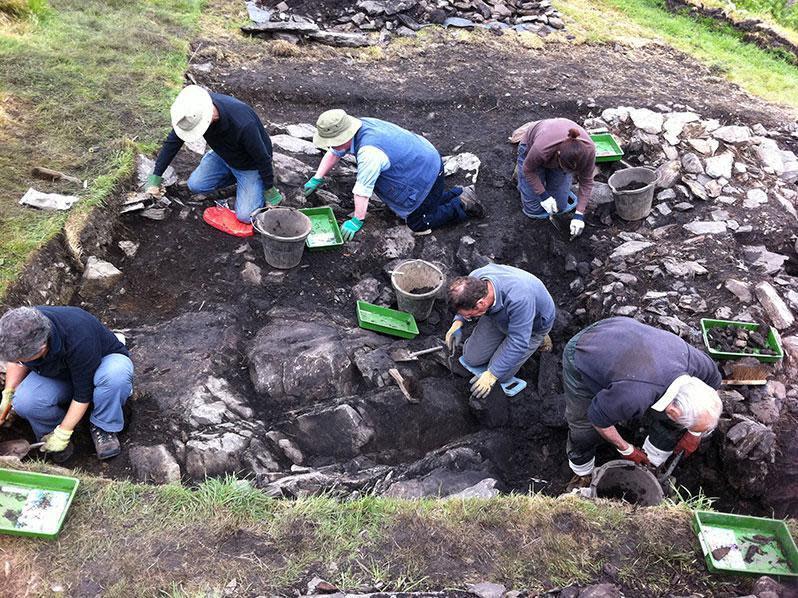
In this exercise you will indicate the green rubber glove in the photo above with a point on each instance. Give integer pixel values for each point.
(154, 181)
(5, 403)
(312, 185)
(272, 196)
(57, 440)
(350, 227)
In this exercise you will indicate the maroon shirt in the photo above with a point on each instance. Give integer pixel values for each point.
(543, 140)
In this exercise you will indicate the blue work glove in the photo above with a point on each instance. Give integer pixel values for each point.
(350, 227)
(312, 185)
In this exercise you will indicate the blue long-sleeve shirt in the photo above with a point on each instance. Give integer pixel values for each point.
(76, 347)
(238, 137)
(629, 365)
(522, 308)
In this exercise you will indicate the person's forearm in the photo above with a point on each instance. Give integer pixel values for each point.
(15, 373)
(73, 415)
(169, 150)
(612, 436)
(361, 206)
(327, 163)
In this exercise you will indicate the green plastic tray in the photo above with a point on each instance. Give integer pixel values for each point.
(386, 320)
(24, 497)
(717, 531)
(773, 341)
(607, 148)
(325, 233)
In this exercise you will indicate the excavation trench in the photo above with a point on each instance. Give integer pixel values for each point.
(244, 368)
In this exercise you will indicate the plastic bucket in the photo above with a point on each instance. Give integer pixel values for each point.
(283, 232)
(416, 283)
(624, 480)
(634, 204)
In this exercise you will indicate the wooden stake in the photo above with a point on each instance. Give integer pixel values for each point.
(53, 175)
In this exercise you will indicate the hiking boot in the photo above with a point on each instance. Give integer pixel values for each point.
(471, 204)
(577, 482)
(60, 456)
(546, 345)
(105, 443)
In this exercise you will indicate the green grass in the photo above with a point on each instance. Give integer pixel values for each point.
(77, 78)
(779, 10)
(188, 542)
(719, 46)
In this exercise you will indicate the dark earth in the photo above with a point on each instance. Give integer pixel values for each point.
(458, 98)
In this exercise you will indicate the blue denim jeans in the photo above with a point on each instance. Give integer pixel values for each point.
(214, 173)
(440, 207)
(556, 181)
(44, 401)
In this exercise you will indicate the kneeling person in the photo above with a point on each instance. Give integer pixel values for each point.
(62, 362)
(516, 314)
(403, 168)
(620, 369)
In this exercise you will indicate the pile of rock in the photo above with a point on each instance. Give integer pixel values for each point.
(347, 24)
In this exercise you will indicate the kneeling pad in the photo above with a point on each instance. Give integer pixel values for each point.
(225, 220)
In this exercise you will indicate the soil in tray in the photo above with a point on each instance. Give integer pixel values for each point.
(633, 186)
(740, 340)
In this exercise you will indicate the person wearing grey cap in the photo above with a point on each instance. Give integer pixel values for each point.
(619, 370)
(61, 364)
(404, 169)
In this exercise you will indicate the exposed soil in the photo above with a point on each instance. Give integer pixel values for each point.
(458, 98)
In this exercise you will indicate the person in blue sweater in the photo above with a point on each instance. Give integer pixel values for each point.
(516, 314)
(620, 369)
(241, 150)
(404, 169)
(61, 364)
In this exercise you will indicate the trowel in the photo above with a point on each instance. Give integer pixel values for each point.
(18, 448)
(663, 477)
(405, 355)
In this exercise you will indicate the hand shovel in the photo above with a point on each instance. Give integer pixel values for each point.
(405, 355)
(663, 477)
(17, 448)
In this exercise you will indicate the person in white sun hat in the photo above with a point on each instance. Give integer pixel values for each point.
(241, 151)
(403, 168)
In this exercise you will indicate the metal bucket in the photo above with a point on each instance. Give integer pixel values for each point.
(410, 277)
(624, 480)
(283, 232)
(636, 204)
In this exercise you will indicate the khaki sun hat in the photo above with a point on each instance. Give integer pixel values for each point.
(335, 127)
(192, 112)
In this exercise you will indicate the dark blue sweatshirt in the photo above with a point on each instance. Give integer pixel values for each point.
(77, 344)
(238, 137)
(629, 365)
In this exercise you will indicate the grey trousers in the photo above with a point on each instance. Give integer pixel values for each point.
(487, 339)
(583, 438)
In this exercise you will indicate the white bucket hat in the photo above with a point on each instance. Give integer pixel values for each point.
(192, 112)
(334, 128)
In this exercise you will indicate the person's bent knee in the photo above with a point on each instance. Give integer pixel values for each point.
(197, 185)
(116, 370)
(25, 404)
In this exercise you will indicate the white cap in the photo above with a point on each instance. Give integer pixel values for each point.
(192, 112)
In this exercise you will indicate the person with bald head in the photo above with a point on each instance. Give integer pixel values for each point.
(618, 370)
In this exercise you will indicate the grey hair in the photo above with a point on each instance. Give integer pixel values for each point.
(23, 332)
(694, 399)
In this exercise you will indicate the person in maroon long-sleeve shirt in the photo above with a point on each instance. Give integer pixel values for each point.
(551, 153)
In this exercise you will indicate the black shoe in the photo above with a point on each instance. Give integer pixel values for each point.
(105, 443)
(61, 456)
(471, 204)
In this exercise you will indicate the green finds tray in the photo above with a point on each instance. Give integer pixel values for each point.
(607, 148)
(773, 341)
(325, 233)
(747, 545)
(384, 319)
(34, 504)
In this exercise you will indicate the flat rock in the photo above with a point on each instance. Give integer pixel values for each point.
(99, 276)
(484, 489)
(486, 589)
(733, 134)
(762, 259)
(630, 248)
(720, 166)
(674, 125)
(755, 198)
(739, 289)
(290, 171)
(301, 130)
(699, 227)
(280, 27)
(215, 456)
(295, 145)
(770, 156)
(338, 432)
(341, 39)
(154, 464)
(682, 269)
(780, 314)
(669, 174)
(647, 120)
(439, 482)
(692, 163)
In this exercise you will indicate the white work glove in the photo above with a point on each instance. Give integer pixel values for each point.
(577, 224)
(549, 204)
